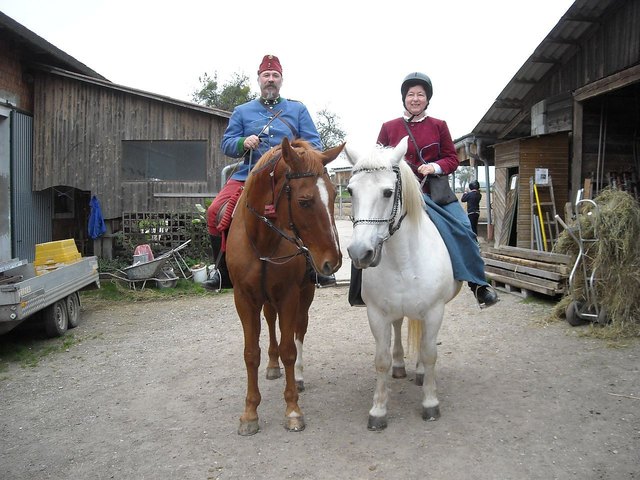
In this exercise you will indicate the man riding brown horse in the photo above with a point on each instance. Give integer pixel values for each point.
(255, 128)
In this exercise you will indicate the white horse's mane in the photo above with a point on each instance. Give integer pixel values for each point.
(411, 192)
(381, 157)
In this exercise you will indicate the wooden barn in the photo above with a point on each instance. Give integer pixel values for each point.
(569, 120)
(69, 134)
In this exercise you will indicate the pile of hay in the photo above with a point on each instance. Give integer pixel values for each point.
(615, 256)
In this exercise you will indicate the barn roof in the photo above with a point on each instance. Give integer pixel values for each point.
(132, 91)
(508, 116)
(37, 49)
(44, 56)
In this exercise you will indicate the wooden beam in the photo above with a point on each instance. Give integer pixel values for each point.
(508, 104)
(513, 123)
(524, 81)
(576, 161)
(527, 267)
(608, 84)
(185, 195)
(556, 286)
(547, 60)
(535, 255)
(534, 287)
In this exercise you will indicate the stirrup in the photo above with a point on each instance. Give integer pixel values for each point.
(214, 282)
(490, 289)
(323, 280)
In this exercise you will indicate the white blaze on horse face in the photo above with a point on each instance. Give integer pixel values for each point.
(323, 191)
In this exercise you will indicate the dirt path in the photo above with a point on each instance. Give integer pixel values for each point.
(155, 390)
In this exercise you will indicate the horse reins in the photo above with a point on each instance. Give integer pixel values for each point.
(397, 204)
(295, 240)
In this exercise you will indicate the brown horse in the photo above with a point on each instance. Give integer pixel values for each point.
(283, 220)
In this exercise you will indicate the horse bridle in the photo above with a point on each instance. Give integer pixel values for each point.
(395, 209)
(296, 240)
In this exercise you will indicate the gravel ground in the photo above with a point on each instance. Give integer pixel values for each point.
(155, 390)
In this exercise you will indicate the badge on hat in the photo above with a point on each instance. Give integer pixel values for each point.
(270, 62)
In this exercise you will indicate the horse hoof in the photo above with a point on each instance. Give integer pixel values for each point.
(419, 379)
(294, 424)
(300, 385)
(273, 373)
(248, 428)
(431, 414)
(376, 424)
(398, 372)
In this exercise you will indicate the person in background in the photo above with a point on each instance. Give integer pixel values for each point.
(431, 152)
(472, 197)
(254, 128)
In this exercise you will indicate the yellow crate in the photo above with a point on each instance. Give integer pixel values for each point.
(58, 252)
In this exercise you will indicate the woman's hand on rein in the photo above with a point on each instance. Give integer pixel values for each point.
(426, 169)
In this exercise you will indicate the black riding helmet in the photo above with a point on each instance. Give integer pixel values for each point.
(475, 185)
(413, 79)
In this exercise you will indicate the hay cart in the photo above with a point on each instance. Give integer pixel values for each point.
(585, 307)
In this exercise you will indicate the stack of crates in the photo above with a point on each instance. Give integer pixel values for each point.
(52, 255)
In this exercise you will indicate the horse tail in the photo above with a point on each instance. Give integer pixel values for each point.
(414, 335)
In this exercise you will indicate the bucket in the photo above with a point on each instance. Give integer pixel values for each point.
(140, 258)
(167, 278)
(199, 274)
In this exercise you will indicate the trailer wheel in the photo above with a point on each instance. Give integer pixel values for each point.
(73, 310)
(56, 319)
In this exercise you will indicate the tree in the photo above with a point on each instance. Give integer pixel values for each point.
(464, 175)
(328, 125)
(233, 93)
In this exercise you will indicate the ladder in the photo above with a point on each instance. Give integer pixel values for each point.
(544, 226)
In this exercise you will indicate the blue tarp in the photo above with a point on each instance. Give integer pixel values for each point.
(97, 228)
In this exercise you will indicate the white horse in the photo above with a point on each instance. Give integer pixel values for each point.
(412, 278)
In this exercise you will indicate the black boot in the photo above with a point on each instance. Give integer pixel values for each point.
(355, 288)
(485, 294)
(319, 279)
(218, 278)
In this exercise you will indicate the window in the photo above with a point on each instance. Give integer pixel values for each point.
(63, 202)
(164, 160)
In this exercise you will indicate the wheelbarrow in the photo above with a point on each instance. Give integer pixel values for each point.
(586, 308)
(158, 269)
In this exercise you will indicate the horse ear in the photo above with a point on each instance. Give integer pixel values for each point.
(351, 155)
(400, 150)
(331, 154)
(289, 154)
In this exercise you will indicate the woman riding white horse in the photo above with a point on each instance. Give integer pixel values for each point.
(432, 156)
(413, 276)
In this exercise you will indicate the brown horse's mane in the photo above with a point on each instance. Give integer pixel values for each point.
(269, 162)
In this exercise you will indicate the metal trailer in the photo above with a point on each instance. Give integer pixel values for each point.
(53, 295)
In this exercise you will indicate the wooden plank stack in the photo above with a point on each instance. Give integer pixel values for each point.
(520, 270)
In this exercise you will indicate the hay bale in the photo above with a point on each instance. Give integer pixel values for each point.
(615, 256)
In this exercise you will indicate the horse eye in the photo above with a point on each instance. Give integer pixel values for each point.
(304, 203)
(388, 192)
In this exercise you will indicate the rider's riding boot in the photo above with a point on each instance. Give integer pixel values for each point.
(355, 288)
(485, 295)
(218, 278)
(319, 279)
